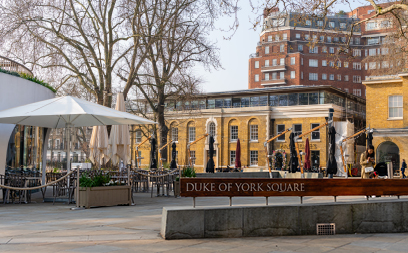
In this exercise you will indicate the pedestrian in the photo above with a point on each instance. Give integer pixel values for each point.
(367, 162)
(403, 167)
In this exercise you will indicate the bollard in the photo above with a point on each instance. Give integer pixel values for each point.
(266, 200)
(194, 204)
(230, 201)
(335, 199)
(301, 200)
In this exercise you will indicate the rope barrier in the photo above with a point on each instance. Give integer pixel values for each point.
(36, 187)
(153, 176)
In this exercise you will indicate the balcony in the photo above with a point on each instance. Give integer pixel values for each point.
(10, 65)
(273, 68)
(273, 82)
(254, 55)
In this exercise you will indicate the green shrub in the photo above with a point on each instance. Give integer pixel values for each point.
(94, 180)
(188, 172)
(28, 77)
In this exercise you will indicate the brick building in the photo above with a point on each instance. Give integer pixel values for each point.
(298, 50)
(254, 116)
(387, 113)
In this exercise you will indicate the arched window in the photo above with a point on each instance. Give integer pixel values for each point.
(211, 129)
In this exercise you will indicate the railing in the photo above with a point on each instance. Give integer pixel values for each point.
(10, 65)
(273, 81)
(272, 68)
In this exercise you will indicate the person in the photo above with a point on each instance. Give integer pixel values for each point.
(367, 160)
(403, 167)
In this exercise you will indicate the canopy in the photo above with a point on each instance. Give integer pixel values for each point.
(331, 162)
(238, 155)
(294, 162)
(119, 139)
(210, 163)
(307, 165)
(58, 112)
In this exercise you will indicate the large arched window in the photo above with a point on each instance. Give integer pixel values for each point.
(211, 129)
(389, 152)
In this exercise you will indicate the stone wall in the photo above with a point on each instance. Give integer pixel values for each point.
(349, 218)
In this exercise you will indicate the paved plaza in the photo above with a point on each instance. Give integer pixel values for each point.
(44, 227)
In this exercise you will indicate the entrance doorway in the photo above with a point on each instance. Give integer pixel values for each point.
(389, 152)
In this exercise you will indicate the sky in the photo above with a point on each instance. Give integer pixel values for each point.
(234, 53)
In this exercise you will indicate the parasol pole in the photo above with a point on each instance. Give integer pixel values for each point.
(300, 136)
(266, 148)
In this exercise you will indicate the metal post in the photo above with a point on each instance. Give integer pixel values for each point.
(301, 199)
(267, 201)
(398, 197)
(230, 201)
(194, 204)
(335, 199)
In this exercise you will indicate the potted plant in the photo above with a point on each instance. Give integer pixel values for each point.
(98, 189)
(186, 172)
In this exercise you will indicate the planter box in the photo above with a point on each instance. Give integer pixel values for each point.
(104, 196)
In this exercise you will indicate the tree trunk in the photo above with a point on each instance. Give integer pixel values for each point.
(163, 129)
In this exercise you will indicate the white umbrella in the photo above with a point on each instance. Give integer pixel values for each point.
(98, 145)
(68, 112)
(119, 139)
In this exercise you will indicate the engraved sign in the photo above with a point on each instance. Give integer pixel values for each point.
(219, 187)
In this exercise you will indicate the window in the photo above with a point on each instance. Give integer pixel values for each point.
(256, 78)
(331, 77)
(346, 89)
(343, 25)
(254, 101)
(372, 52)
(192, 156)
(211, 129)
(313, 76)
(331, 50)
(254, 157)
(282, 61)
(307, 36)
(313, 63)
(277, 38)
(346, 64)
(371, 25)
(331, 24)
(346, 78)
(297, 35)
(282, 48)
(191, 134)
(321, 38)
(338, 64)
(274, 62)
(338, 77)
(313, 50)
(357, 41)
(257, 64)
(266, 76)
(385, 64)
(174, 133)
(57, 144)
(280, 129)
(292, 74)
(324, 49)
(329, 39)
(324, 63)
(301, 75)
(253, 132)
(300, 48)
(319, 23)
(357, 65)
(301, 61)
(233, 155)
(234, 133)
(266, 50)
(357, 92)
(138, 137)
(266, 63)
(285, 36)
(395, 106)
(274, 76)
(336, 39)
(303, 98)
(384, 51)
(356, 79)
(292, 60)
(316, 133)
(308, 22)
(282, 75)
(324, 76)
(343, 39)
(297, 130)
(331, 63)
(357, 52)
(372, 65)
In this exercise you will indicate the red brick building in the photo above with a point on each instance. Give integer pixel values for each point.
(298, 50)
